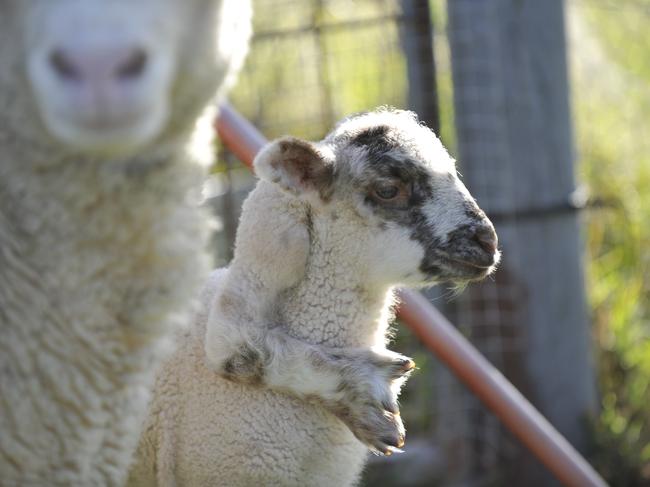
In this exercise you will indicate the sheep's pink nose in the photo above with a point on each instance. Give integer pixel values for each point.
(487, 238)
(98, 66)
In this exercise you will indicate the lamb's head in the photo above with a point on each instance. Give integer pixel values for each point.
(390, 185)
(109, 77)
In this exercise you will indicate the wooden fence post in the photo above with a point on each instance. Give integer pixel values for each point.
(516, 156)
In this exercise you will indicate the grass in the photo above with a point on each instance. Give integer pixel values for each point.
(611, 73)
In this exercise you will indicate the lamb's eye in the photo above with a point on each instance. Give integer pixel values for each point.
(386, 192)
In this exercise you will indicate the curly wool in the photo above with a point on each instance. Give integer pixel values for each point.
(91, 251)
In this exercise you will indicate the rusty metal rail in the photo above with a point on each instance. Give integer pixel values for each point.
(452, 348)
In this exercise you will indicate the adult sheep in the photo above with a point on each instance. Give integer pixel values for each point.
(297, 325)
(98, 217)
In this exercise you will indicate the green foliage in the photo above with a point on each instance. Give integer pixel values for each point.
(612, 102)
(443, 75)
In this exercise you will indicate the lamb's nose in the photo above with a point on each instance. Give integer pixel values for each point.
(99, 66)
(486, 237)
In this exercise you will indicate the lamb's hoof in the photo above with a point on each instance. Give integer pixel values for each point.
(389, 451)
(369, 407)
(407, 365)
(389, 445)
(394, 442)
(389, 434)
(401, 367)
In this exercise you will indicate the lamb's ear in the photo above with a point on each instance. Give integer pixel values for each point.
(296, 166)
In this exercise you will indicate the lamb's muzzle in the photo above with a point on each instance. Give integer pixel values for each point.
(486, 237)
(474, 248)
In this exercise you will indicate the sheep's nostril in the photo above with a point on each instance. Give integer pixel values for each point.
(63, 66)
(109, 65)
(134, 65)
(487, 239)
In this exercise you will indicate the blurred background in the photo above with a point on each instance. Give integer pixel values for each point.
(546, 107)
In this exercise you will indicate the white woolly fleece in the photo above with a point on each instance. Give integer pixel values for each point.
(92, 250)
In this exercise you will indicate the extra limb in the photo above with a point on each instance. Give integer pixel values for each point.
(359, 386)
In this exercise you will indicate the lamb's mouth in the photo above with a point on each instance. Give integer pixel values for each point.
(445, 266)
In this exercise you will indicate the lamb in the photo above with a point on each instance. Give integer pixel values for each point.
(101, 163)
(297, 325)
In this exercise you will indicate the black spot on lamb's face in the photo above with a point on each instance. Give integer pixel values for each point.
(375, 140)
(421, 196)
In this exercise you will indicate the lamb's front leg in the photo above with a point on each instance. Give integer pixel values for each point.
(359, 386)
(363, 392)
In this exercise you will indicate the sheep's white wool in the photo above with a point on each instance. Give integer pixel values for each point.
(285, 378)
(96, 230)
(205, 430)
